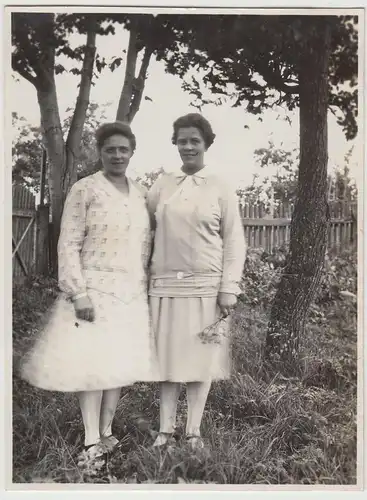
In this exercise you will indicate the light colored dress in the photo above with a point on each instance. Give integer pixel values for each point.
(199, 250)
(103, 250)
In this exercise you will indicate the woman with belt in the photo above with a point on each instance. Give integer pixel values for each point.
(197, 263)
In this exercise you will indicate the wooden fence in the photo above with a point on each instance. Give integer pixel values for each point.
(30, 235)
(31, 229)
(271, 230)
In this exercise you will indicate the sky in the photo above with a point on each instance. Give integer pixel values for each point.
(232, 153)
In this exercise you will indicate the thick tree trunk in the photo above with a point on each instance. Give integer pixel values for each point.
(64, 157)
(56, 152)
(308, 241)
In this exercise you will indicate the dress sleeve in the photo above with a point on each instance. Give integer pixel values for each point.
(72, 233)
(153, 199)
(234, 245)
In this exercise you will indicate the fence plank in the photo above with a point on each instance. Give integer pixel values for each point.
(268, 233)
(42, 240)
(265, 222)
(23, 229)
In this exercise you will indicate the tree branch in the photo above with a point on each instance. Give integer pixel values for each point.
(26, 75)
(275, 79)
(140, 84)
(82, 102)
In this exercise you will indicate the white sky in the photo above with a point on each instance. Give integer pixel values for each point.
(232, 152)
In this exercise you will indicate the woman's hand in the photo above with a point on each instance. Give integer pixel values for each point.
(226, 302)
(84, 308)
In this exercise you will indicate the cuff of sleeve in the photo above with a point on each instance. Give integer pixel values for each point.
(79, 296)
(230, 287)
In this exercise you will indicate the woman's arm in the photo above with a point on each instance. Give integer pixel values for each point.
(153, 200)
(72, 234)
(234, 245)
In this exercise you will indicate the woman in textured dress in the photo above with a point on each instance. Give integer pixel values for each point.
(97, 338)
(197, 263)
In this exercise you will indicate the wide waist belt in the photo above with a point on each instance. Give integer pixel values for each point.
(183, 284)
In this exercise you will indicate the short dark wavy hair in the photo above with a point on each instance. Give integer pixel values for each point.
(108, 129)
(194, 120)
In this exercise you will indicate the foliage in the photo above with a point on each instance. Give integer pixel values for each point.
(280, 185)
(26, 153)
(259, 427)
(27, 146)
(255, 61)
(263, 271)
(39, 38)
(343, 187)
(149, 178)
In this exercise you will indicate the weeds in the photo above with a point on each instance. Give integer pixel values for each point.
(259, 427)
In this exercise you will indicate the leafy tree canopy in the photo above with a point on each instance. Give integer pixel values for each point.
(255, 60)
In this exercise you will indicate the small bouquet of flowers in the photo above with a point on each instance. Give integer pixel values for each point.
(214, 333)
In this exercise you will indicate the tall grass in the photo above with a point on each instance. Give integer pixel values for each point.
(259, 427)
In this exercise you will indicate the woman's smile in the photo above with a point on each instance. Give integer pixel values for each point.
(191, 147)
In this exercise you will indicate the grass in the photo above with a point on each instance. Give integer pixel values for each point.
(260, 428)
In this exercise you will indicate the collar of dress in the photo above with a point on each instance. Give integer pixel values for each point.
(198, 178)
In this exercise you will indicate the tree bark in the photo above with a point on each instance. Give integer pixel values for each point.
(63, 156)
(140, 84)
(54, 142)
(75, 133)
(308, 241)
(127, 89)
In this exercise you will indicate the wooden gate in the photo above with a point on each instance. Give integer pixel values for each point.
(24, 234)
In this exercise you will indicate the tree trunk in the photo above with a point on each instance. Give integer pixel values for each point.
(140, 84)
(128, 86)
(56, 152)
(64, 157)
(75, 133)
(308, 241)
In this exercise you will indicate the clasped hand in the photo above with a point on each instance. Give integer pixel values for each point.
(84, 308)
(226, 302)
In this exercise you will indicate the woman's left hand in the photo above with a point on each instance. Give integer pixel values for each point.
(226, 302)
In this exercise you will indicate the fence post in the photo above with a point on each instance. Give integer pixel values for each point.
(42, 240)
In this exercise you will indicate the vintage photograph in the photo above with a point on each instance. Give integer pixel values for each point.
(186, 221)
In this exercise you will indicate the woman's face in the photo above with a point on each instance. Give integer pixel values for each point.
(115, 154)
(191, 147)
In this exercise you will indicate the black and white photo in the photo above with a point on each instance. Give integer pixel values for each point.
(186, 246)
